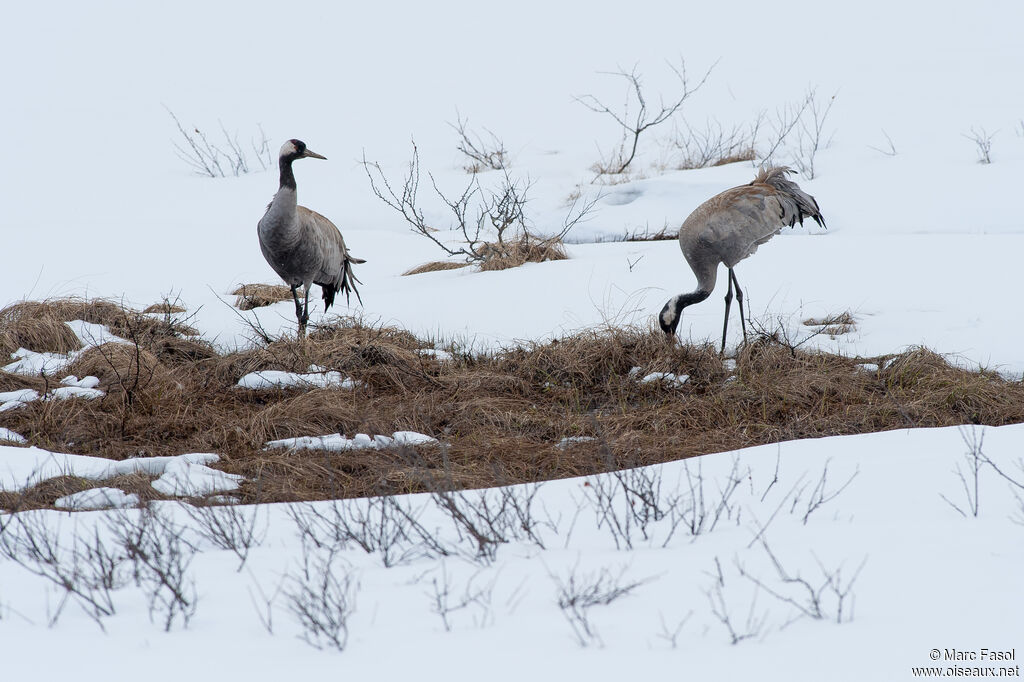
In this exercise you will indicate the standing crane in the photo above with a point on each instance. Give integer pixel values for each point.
(729, 227)
(302, 246)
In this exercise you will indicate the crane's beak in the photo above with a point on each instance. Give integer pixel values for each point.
(313, 155)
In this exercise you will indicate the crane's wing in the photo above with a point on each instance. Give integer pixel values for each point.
(333, 267)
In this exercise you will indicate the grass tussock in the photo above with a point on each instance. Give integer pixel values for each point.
(249, 296)
(40, 325)
(526, 249)
(434, 266)
(501, 416)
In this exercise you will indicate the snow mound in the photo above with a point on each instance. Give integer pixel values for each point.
(336, 442)
(662, 377)
(30, 363)
(178, 475)
(97, 498)
(8, 436)
(273, 378)
(12, 399)
(188, 476)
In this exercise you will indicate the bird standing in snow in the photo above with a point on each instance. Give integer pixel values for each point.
(302, 246)
(729, 227)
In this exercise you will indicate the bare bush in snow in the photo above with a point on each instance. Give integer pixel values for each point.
(483, 154)
(752, 626)
(703, 509)
(890, 147)
(974, 459)
(495, 230)
(630, 503)
(982, 140)
(385, 524)
(578, 592)
(219, 160)
(322, 597)
(715, 145)
(475, 595)
(161, 558)
(827, 597)
(635, 124)
(83, 565)
(231, 526)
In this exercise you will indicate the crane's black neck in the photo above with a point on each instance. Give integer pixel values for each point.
(287, 177)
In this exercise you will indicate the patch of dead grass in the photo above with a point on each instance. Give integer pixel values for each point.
(434, 266)
(500, 415)
(251, 296)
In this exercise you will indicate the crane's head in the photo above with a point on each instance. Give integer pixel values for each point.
(296, 149)
(670, 315)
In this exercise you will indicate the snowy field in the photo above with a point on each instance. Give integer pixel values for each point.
(922, 248)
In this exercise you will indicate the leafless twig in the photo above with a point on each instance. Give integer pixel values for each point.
(635, 125)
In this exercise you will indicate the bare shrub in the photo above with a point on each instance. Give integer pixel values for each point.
(811, 136)
(161, 558)
(890, 146)
(715, 145)
(703, 509)
(634, 125)
(444, 599)
(974, 460)
(820, 495)
(826, 598)
(383, 524)
(632, 502)
(87, 569)
(495, 230)
(751, 627)
(578, 592)
(483, 154)
(230, 527)
(982, 140)
(322, 597)
(218, 161)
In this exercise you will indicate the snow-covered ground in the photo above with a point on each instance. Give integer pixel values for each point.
(866, 511)
(922, 247)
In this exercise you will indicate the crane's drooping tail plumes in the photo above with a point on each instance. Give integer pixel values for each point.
(796, 204)
(346, 283)
(729, 227)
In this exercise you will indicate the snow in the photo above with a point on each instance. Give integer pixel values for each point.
(337, 442)
(185, 474)
(6, 435)
(922, 249)
(665, 378)
(278, 379)
(97, 498)
(887, 530)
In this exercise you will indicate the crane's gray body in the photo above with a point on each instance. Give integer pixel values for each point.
(303, 247)
(729, 227)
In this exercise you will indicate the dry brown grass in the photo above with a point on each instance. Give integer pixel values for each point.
(526, 249)
(434, 266)
(164, 308)
(500, 415)
(251, 296)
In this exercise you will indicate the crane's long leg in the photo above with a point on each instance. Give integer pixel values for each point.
(301, 315)
(728, 302)
(739, 299)
(305, 311)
